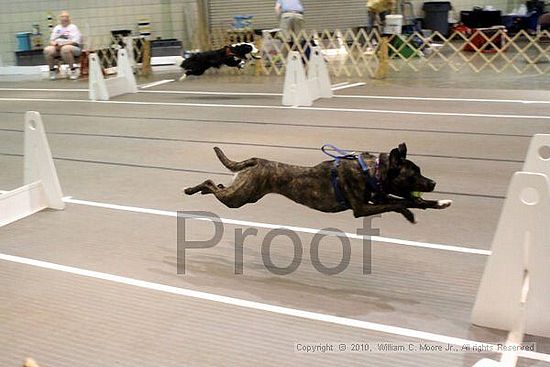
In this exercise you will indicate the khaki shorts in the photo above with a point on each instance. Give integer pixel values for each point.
(291, 23)
(54, 52)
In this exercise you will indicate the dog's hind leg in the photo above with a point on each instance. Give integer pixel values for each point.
(242, 190)
(233, 197)
(232, 165)
(207, 187)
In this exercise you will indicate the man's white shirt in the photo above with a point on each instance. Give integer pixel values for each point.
(63, 35)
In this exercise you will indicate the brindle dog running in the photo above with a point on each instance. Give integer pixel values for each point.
(364, 183)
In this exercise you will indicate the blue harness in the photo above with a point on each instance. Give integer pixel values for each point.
(370, 180)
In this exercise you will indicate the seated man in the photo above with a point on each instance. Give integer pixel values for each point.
(65, 43)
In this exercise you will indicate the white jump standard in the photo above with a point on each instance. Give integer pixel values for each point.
(514, 293)
(296, 90)
(302, 90)
(317, 75)
(103, 89)
(42, 189)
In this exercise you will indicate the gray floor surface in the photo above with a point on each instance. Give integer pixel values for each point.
(143, 154)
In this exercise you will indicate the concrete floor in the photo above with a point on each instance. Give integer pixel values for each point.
(142, 154)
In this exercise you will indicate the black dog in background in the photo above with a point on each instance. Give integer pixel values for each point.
(233, 56)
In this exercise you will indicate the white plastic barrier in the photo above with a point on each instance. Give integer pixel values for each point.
(103, 89)
(296, 91)
(301, 91)
(42, 189)
(317, 75)
(129, 47)
(514, 293)
(538, 155)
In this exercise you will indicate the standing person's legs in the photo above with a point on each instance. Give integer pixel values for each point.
(371, 21)
(297, 24)
(284, 24)
(383, 19)
(287, 37)
(372, 25)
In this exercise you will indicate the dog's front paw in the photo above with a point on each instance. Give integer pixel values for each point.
(442, 204)
(183, 77)
(408, 215)
(242, 64)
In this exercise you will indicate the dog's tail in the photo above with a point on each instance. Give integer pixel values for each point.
(232, 165)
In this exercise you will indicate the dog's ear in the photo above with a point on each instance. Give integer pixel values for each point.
(395, 158)
(246, 48)
(241, 48)
(403, 150)
(236, 49)
(398, 155)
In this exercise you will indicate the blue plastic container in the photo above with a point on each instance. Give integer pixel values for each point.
(24, 41)
(242, 21)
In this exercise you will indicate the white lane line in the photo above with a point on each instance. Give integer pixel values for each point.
(429, 99)
(412, 98)
(481, 100)
(339, 84)
(154, 84)
(348, 86)
(167, 213)
(244, 94)
(280, 310)
(244, 106)
(70, 90)
(395, 241)
(148, 91)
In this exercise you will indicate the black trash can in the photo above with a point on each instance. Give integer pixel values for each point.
(436, 15)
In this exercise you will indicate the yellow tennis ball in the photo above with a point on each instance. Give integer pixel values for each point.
(416, 194)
